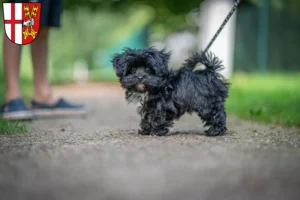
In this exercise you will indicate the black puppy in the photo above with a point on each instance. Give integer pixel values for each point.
(166, 94)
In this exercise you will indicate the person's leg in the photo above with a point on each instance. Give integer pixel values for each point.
(44, 103)
(14, 109)
(11, 59)
(39, 52)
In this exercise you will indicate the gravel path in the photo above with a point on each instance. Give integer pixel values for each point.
(101, 156)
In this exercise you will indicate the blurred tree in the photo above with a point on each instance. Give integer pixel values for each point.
(283, 35)
(171, 13)
(175, 6)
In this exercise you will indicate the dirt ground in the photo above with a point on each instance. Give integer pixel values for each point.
(101, 156)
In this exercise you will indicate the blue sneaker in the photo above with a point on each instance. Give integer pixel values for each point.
(61, 108)
(15, 110)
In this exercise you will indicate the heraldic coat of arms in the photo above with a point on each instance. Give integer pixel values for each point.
(22, 21)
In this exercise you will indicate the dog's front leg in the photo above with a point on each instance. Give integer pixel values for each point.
(145, 123)
(145, 127)
(155, 120)
(161, 126)
(161, 122)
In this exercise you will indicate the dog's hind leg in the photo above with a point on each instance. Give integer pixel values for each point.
(216, 119)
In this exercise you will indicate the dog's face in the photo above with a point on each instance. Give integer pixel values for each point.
(141, 70)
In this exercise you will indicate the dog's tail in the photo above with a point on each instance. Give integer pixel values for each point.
(211, 62)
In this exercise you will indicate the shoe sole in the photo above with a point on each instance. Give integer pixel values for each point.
(20, 115)
(57, 112)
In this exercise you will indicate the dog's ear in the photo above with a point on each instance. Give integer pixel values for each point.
(119, 64)
(165, 57)
(160, 60)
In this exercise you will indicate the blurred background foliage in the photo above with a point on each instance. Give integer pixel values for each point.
(93, 30)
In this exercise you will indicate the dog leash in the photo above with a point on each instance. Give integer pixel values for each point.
(236, 3)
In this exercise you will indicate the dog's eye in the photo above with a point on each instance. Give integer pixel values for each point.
(148, 70)
(133, 70)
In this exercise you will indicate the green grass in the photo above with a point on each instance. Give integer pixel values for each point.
(11, 127)
(272, 98)
(14, 127)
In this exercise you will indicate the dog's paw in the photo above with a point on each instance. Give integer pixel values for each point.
(143, 132)
(215, 131)
(161, 132)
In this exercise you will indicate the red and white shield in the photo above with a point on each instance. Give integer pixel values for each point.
(22, 21)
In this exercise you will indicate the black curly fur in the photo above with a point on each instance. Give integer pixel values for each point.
(211, 62)
(165, 95)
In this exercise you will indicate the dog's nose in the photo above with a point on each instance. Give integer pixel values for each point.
(140, 77)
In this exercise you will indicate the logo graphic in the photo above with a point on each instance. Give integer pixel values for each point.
(22, 21)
